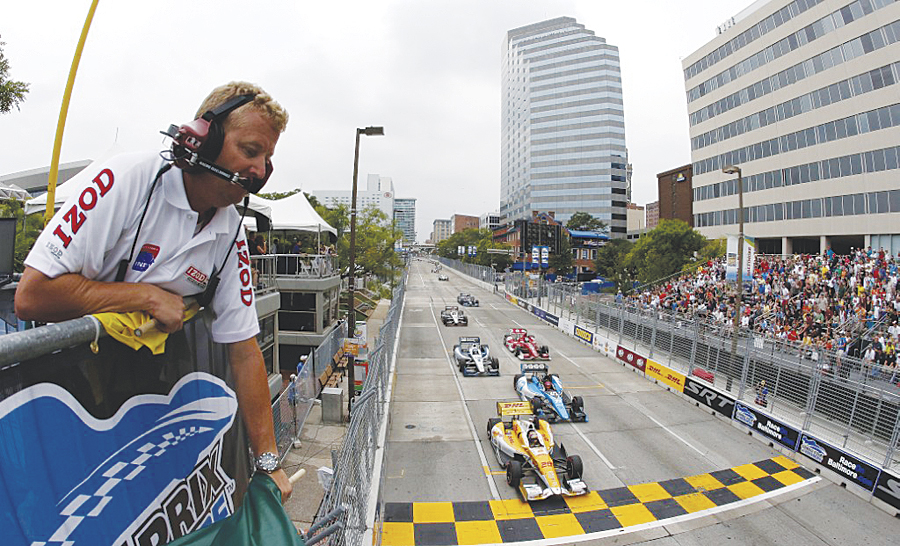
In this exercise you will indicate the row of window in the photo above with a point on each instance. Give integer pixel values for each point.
(761, 28)
(852, 12)
(885, 159)
(879, 202)
(852, 87)
(873, 120)
(857, 47)
(584, 253)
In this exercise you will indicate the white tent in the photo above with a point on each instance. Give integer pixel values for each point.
(11, 191)
(294, 213)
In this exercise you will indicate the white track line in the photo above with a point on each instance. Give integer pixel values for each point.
(646, 414)
(567, 358)
(594, 448)
(472, 429)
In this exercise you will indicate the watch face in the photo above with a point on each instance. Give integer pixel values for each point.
(267, 462)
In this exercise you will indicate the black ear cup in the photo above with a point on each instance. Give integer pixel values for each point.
(215, 139)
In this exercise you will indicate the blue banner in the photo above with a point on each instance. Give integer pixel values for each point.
(857, 471)
(765, 425)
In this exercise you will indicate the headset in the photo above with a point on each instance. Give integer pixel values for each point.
(196, 145)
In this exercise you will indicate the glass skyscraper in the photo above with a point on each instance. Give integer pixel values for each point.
(405, 218)
(563, 125)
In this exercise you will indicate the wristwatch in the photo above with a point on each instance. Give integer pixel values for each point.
(267, 462)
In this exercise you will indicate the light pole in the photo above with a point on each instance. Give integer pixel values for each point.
(733, 169)
(351, 311)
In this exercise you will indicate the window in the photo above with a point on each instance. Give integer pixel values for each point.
(894, 200)
(837, 206)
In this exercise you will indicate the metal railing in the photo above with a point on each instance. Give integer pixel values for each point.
(480, 272)
(310, 266)
(351, 485)
(842, 399)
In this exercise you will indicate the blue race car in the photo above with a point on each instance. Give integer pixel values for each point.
(544, 390)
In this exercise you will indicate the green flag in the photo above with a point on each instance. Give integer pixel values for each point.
(261, 520)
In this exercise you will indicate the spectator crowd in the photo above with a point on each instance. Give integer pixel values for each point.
(823, 304)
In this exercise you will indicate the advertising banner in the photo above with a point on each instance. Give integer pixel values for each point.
(604, 345)
(566, 325)
(524, 305)
(631, 358)
(545, 255)
(667, 375)
(460, 250)
(544, 315)
(731, 261)
(858, 472)
(888, 489)
(762, 423)
(584, 335)
(120, 447)
(535, 255)
(710, 398)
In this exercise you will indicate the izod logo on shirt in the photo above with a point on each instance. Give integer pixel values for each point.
(145, 257)
(196, 276)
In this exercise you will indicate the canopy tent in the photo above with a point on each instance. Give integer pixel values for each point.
(11, 191)
(294, 213)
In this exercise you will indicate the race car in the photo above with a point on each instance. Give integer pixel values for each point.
(545, 392)
(535, 465)
(452, 316)
(523, 346)
(466, 300)
(442, 277)
(473, 358)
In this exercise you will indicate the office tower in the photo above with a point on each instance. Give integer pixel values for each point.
(803, 97)
(563, 129)
(405, 219)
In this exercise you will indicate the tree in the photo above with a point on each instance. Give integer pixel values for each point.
(585, 222)
(611, 263)
(561, 261)
(12, 93)
(482, 240)
(275, 196)
(29, 227)
(714, 248)
(664, 250)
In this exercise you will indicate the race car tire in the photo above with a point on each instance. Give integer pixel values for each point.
(460, 365)
(513, 473)
(537, 404)
(516, 380)
(495, 363)
(490, 426)
(574, 467)
(577, 404)
(545, 349)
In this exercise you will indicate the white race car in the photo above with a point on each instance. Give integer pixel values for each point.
(453, 316)
(473, 358)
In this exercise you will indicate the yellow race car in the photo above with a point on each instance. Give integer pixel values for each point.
(534, 463)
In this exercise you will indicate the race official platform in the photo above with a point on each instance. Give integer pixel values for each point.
(506, 521)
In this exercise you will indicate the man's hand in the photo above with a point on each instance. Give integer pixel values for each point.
(284, 484)
(167, 308)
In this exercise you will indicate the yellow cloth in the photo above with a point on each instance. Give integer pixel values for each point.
(121, 326)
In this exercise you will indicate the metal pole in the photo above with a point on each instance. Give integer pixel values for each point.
(740, 273)
(351, 311)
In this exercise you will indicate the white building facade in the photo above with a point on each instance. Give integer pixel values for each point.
(441, 229)
(379, 192)
(563, 126)
(489, 220)
(804, 97)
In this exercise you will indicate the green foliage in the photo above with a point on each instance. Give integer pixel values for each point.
(611, 263)
(664, 250)
(275, 196)
(12, 93)
(583, 221)
(27, 231)
(482, 239)
(714, 248)
(561, 261)
(375, 239)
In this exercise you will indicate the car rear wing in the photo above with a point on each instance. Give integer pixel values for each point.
(475, 340)
(518, 331)
(505, 409)
(534, 367)
(451, 308)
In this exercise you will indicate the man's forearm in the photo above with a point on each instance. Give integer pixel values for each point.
(253, 395)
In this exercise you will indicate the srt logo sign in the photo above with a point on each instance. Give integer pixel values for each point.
(712, 399)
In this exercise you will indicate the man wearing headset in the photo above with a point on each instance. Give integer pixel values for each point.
(188, 233)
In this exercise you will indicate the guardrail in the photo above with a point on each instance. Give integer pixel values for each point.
(310, 266)
(824, 405)
(351, 487)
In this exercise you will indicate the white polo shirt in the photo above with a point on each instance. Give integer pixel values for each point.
(96, 227)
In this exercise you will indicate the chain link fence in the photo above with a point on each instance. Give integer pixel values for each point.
(351, 486)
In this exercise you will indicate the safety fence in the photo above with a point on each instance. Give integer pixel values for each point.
(838, 411)
(480, 272)
(291, 409)
(350, 494)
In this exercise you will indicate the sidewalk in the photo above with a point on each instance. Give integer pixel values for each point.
(318, 440)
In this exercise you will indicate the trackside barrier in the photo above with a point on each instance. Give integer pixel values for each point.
(827, 407)
(481, 273)
(351, 485)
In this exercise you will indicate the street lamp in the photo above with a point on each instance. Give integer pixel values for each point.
(733, 169)
(351, 318)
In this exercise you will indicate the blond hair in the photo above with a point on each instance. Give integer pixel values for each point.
(262, 103)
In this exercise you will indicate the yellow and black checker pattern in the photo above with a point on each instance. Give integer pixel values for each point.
(488, 522)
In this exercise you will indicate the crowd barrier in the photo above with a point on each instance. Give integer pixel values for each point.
(353, 493)
(837, 417)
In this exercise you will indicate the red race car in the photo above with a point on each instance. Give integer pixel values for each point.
(524, 346)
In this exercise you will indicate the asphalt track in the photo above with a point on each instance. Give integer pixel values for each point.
(638, 433)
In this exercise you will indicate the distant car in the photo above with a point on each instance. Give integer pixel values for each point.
(453, 316)
(442, 277)
(535, 464)
(524, 346)
(473, 358)
(545, 392)
(467, 300)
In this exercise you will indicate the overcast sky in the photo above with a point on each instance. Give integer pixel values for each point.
(426, 70)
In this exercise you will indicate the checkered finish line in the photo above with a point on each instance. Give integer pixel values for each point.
(492, 522)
